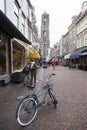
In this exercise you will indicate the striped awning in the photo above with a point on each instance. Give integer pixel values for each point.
(67, 56)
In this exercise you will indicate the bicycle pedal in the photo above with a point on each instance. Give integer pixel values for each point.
(30, 87)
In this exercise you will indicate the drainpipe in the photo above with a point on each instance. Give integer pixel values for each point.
(5, 6)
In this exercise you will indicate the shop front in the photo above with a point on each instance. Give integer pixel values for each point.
(12, 50)
(79, 59)
(4, 59)
(66, 60)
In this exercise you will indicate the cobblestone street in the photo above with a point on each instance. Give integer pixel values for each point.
(70, 87)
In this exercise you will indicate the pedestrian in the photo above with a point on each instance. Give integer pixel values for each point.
(53, 64)
(33, 71)
(27, 68)
(70, 64)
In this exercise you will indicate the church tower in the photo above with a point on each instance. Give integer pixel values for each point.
(45, 35)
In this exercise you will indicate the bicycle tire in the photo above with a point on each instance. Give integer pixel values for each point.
(53, 98)
(26, 80)
(26, 111)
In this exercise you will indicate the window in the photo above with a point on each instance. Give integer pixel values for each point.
(85, 23)
(3, 55)
(82, 40)
(23, 23)
(29, 34)
(16, 14)
(85, 39)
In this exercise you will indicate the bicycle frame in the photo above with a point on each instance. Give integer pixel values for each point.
(38, 94)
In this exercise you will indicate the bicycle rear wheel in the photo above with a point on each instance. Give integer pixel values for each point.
(53, 98)
(26, 111)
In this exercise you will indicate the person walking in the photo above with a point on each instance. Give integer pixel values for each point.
(28, 66)
(53, 64)
(33, 71)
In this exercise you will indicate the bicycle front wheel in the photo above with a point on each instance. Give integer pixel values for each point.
(26, 111)
(53, 98)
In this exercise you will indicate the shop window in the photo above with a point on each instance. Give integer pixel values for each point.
(3, 55)
(18, 56)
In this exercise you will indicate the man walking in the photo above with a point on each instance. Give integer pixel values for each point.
(53, 64)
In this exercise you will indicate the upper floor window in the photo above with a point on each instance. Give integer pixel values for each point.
(85, 23)
(16, 14)
(23, 23)
(85, 39)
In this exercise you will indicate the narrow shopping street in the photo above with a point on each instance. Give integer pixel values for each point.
(71, 114)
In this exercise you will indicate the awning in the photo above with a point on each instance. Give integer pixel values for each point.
(77, 54)
(67, 56)
(19, 42)
(10, 29)
(84, 53)
(32, 53)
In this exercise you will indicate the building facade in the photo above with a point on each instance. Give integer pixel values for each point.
(81, 25)
(15, 36)
(74, 43)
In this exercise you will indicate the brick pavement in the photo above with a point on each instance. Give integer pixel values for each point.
(8, 105)
(71, 91)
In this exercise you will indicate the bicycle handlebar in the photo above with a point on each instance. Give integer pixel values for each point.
(51, 75)
(47, 79)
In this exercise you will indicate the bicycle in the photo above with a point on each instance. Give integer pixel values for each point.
(28, 106)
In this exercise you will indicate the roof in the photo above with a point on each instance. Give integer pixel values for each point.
(10, 29)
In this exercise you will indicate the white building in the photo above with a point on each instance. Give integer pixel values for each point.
(15, 36)
(19, 12)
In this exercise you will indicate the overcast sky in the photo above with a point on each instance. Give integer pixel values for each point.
(60, 14)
